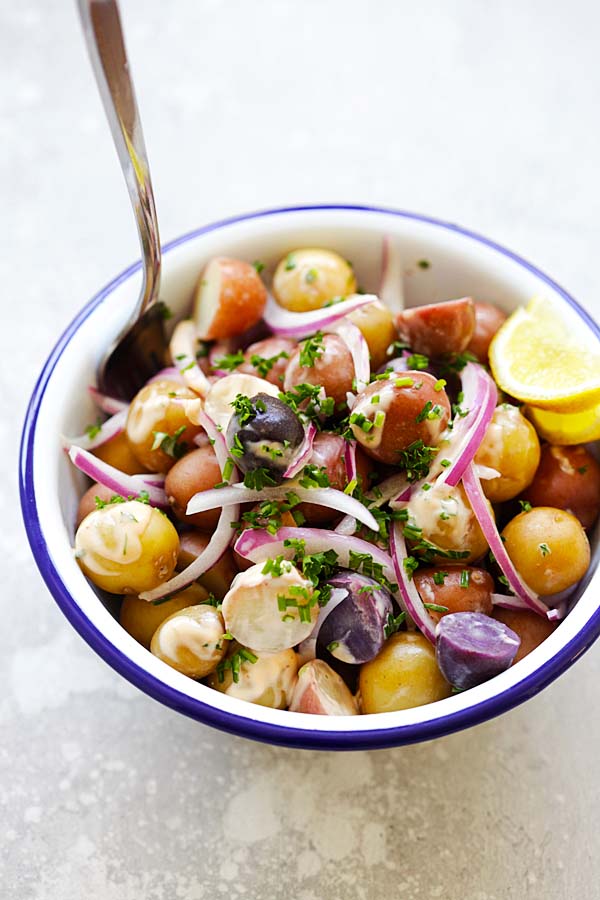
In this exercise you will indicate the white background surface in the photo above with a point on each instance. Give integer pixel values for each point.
(485, 114)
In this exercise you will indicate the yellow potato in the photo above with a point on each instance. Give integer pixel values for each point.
(141, 619)
(307, 279)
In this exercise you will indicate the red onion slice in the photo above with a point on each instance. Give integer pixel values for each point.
(391, 289)
(106, 432)
(109, 405)
(219, 444)
(297, 325)
(115, 480)
(408, 589)
(308, 648)
(183, 351)
(237, 493)
(359, 350)
(487, 524)
(304, 452)
(350, 460)
(168, 374)
(509, 601)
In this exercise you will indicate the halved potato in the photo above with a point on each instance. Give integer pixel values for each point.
(229, 298)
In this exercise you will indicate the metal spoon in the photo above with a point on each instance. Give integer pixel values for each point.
(139, 350)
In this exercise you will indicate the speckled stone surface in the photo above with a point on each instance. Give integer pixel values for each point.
(479, 113)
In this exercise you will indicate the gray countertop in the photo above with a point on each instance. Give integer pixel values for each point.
(478, 113)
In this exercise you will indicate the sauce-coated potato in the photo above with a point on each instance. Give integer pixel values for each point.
(333, 370)
(447, 520)
(194, 472)
(270, 357)
(191, 640)
(328, 453)
(155, 412)
(392, 414)
(268, 682)
(511, 446)
(307, 279)
(127, 548)
(405, 674)
(548, 547)
(568, 478)
(229, 298)
(320, 691)
(461, 589)
(216, 580)
(531, 628)
(488, 319)
(438, 328)
(376, 324)
(141, 619)
(119, 454)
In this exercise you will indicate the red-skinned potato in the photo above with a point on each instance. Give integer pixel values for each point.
(410, 409)
(229, 298)
(333, 370)
(328, 453)
(488, 319)
(531, 628)
(470, 592)
(216, 580)
(321, 692)
(194, 472)
(438, 328)
(568, 478)
(274, 353)
(87, 503)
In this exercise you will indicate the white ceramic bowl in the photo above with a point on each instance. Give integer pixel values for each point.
(462, 263)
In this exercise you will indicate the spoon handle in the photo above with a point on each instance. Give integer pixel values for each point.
(106, 46)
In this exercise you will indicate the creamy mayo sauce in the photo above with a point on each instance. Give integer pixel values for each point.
(269, 680)
(143, 416)
(224, 391)
(113, 534)
(200, 633)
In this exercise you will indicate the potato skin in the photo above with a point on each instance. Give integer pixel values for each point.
(403, 675)
(141, 619)
(87, 503)
(511, 446)
(438, 328)
(118, 453)
(568, 478)
(194, 472)
(156, 409)
(267, 349)
(475, 597)
(402, 398)
(376, 324)
(217, 580)
(308, 278)
(334, 370)
(531, 628)
(229, 298)
(488, 319)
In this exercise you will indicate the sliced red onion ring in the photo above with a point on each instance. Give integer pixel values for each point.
(300, 325)
(219, 443)
(157, 479)
(509, 601)
(486, 473)
(168, 374)
(408, 589)
(308, 648)
(115, 480)
(183, 351)
(391, 284)
(110, 405)
(304, 452)
(557, 613)
(358, 347)
(237, 493)
(106, 432)
(350, 460)
(474, 491)
(201, 439)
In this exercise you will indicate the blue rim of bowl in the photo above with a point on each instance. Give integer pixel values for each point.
(262, 731)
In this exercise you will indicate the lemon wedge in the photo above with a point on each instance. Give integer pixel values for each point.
(566, 428)
(545, 355)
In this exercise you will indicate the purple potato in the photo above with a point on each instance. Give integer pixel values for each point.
(472, 647)
(354, 631)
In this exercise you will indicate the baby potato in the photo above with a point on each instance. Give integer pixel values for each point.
(118, 453)
(268, 681)
(158, 430)
(217, 580)
(87, 504)
(141, 619)
(376, 324)
(268, 359)
(333, 369)
(191, 640)
(229, 298)
(306, 279)
(328, 453)
(194, 472)
(391, 415)
(322, 692)
(531, 628)
(438, 328)
(511, 446)
(488, 319)
(403, 675)
(447, 520)
(127, 548)
(459, 588)
(549, 549)
(568, 478)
